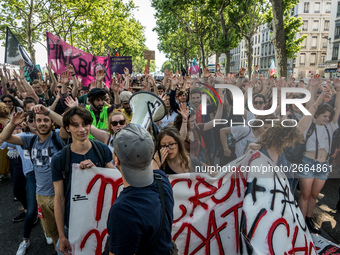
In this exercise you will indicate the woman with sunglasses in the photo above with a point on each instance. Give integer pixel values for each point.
(170, 154)
(259, 101)
(10, 101)
(117, 120)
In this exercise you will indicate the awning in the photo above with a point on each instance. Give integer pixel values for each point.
(330, 70)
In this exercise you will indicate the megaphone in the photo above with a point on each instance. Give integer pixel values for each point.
(146, 107)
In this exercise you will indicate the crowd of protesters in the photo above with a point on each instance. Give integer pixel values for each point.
(39, 120)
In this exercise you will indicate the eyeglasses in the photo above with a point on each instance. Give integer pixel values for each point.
(115, 123)
(171, 146)
(258, 102)
(59, 87)
(9, 101)
(30, 120)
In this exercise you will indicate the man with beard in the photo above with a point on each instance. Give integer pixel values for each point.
(99, 111)
(124, 98)
(41, 146)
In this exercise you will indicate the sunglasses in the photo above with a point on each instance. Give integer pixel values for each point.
(30, 120)
(59, 87)
(9, 101)
(115, 123)
(258, 102)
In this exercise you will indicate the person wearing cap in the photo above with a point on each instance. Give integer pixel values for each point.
(99, 111)
(124, 99)
(136, 223)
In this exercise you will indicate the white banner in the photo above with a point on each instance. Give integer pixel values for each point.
(230, 213)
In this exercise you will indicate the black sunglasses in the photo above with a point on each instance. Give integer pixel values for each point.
(8, 101)
(258, 102)
(115, 123)
(59, 87)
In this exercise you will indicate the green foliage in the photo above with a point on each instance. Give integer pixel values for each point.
(167, 64)
(292, 26)
(97, 26)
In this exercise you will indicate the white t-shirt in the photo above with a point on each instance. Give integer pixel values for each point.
(238, 132)
(323, 142)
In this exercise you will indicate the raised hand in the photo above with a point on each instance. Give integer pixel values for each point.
(39, 109)
(18, 118)
(114, 85)
(126, 72)
(70, 68)
(70, 102)
(315, 80)
(15, 75)
(256, 68)
(184, 111)
(22, 63)
(206, 72)
(65, 77)
(242, 71)
(21, 74)
(39, 75)
(49, 66)
(100, 75)
(164, 154)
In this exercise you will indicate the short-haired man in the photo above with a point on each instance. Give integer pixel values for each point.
(41, 149)
(138, 223)
(77, 122)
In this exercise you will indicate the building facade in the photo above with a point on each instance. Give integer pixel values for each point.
(333, 56)
(316, 24)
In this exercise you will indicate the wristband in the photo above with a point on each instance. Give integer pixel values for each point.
(73, 74)
(48, 112)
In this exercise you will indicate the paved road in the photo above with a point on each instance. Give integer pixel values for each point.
(11, 233)
(325, 215)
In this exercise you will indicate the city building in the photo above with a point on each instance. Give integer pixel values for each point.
(267, 52)
(333, 56)
(316, 24)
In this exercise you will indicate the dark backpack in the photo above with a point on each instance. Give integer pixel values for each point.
(66, 156)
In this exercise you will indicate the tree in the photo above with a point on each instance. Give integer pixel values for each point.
(284, 26)
(248, 26)
(138, 64)
(167, 64)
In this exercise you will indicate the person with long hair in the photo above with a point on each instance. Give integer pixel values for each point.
(170, 154)
(10, 103)
(116, 121)
(320, 126)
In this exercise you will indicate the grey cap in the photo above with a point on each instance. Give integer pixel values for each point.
(135, 148)
(125, 96)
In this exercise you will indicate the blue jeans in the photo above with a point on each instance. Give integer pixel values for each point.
(32, 211)
(314, 169)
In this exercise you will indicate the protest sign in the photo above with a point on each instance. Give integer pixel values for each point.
(230, 213)
(85, 64)
(118, 64)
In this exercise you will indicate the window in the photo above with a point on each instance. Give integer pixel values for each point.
(315, 25)
(324, 42)
(337, 30)
(326, 27)
(317, 7)
(328, 7)
(314, 42)
(323, 58)
(306, 7)
(266, 36)
(335, 53)
(304, 42)
(305, 25)
(313, 59)
(338, 12)
(302, 59)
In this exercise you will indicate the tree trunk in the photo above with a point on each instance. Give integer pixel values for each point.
(227, 64)
(250, 55)
(29, 33)
(202, 52)
(278, 39)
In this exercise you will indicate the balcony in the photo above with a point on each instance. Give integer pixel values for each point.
(302, 64)
(313, 47)
(316, 11)
(315, 29)
(312, 64)
(304, 29)
(334, 58)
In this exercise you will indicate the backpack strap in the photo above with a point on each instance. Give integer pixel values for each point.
(241, 138)
(30, 147)
(158, 179)
(99, 151)
(55, 141)
(65, 165)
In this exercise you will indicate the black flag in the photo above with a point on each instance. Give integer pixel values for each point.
(183, 71)
(14, 52)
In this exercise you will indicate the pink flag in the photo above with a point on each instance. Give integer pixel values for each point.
(194, 69)
(272, 67)
(85, 64)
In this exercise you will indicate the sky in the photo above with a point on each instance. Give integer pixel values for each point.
(144, 13)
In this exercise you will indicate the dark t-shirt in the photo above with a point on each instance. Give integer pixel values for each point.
(57, 170)
(135, 220)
